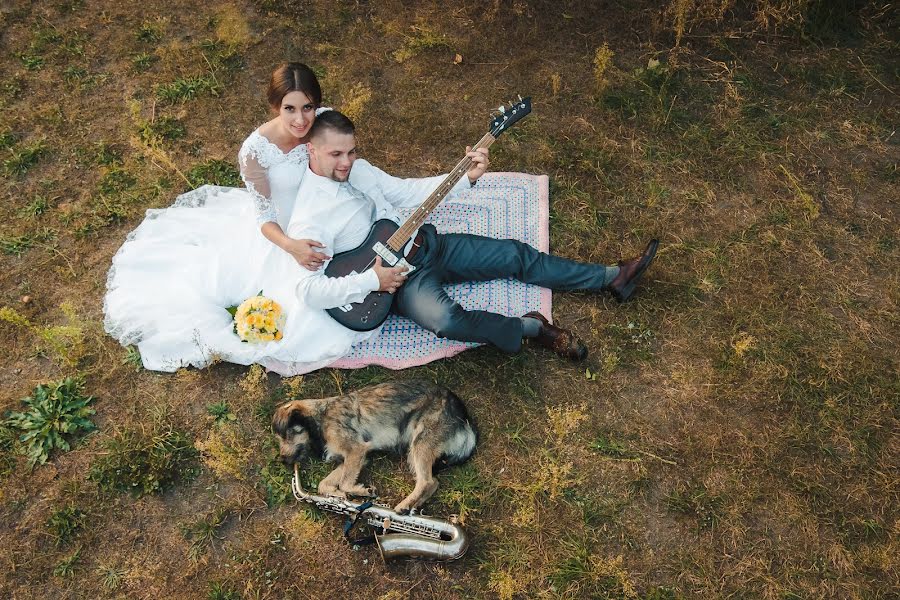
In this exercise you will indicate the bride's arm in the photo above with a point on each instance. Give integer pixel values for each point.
(256, 179)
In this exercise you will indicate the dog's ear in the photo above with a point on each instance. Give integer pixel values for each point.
(285, 416)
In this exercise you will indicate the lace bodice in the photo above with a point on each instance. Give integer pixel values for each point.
(272, 177)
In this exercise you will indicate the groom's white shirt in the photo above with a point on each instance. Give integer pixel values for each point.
(340, 215)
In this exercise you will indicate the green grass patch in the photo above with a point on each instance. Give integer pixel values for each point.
(422, 38)
(32, 62)
(106, 155)
(149, 33)
(221, 591)
(220, 412)
(66, 567)
(609, 447)
(7, 140)
(65, 523)
(132, 358)
(163, 129)
(145, 461)
(696, 502)
(143, 61)
(22, 159)
(188, 88)
(275, 479)
(54, 412)
(111, 576)
(115, 181)
(222, 56)
(214, 172)
(202, 532)
(16, 245)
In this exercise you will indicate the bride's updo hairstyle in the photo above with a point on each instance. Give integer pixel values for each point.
(293, 77)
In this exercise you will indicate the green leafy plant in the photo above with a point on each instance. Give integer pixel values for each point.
(188, 88)
(165, 129)
(276, 479)
(219, 591)
(24, 158)
(65, 523)
(112, 576)
(17, 245)
(133, 358)
(214, 172)
(203, 531)
(66, 566)
(220, 412)
(142, 61)
(145, 461)
(54, 410)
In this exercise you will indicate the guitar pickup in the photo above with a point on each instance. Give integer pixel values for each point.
(388, 256)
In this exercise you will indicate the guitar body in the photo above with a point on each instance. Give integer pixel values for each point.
(371, 312)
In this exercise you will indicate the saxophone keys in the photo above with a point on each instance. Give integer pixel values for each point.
(386, 524)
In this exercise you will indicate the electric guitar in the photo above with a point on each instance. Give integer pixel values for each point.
(387, 240)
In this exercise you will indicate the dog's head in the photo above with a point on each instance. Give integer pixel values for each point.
(298, 433)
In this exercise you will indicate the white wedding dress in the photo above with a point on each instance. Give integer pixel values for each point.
(172, 280)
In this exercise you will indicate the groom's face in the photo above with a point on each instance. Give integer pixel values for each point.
(331, 154)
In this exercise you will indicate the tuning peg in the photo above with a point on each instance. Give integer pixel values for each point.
(520, 97)
(502, 109)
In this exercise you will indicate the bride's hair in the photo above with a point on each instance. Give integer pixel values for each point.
(293, 77)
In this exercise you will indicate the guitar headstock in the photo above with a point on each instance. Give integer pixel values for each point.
(509, 115)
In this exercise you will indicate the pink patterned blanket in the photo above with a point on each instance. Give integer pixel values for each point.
(503, 205)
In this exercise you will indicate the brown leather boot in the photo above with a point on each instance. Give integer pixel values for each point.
(562, 341)
(622, 287)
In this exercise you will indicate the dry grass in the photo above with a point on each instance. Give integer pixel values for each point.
(734, 433)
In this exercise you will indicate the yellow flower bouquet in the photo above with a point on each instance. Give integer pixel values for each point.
(259, 320)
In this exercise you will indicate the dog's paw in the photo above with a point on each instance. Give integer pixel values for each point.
(361, 490)
(403, 508)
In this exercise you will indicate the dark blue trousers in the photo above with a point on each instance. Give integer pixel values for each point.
(455, 258)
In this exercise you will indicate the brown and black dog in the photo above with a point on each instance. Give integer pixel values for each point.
(428, 422)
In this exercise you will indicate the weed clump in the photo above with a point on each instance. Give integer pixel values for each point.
(602, 60)
(165, 129)
(188, 88)
(65, 523)
(54, 411)
(146, 462)
(23, 159)
(214, 172)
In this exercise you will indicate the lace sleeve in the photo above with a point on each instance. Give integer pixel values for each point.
(256, 178)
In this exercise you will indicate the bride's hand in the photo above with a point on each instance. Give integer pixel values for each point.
(306, 253)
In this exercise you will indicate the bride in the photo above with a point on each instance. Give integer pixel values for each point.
(174, 277)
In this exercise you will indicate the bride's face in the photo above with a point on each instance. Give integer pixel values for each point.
(296, 114)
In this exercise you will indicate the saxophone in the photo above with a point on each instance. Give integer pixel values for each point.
(405, 536)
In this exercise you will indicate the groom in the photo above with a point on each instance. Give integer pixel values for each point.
(340, 198)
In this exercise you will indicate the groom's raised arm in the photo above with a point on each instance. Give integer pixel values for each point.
(399, 191)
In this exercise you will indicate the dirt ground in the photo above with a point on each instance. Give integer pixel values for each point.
(733, 432)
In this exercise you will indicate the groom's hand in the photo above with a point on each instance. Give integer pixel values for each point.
(390, 278)
(480, 163)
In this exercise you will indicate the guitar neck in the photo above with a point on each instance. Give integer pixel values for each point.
(402, 235)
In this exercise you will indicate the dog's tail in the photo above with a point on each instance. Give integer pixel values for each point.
(462, 442)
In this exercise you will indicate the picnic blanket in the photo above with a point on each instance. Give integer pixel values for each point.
(502, 205)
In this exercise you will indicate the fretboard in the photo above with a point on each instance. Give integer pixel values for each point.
(402, 235)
